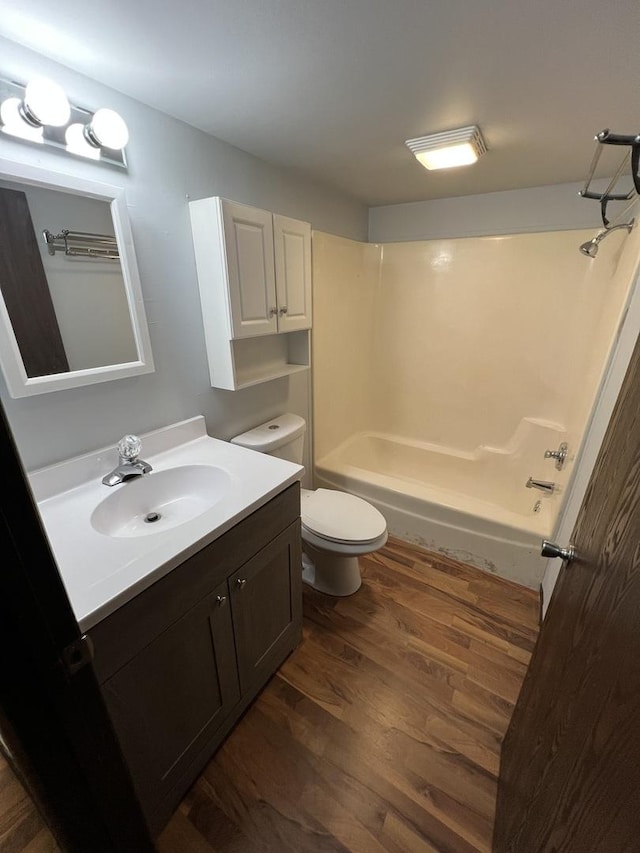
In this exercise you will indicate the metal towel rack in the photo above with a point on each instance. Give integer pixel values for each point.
(631, 157)
(82, 244)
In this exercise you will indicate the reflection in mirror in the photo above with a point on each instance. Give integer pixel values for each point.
(71, 305)
(66, 298)
(68, 311)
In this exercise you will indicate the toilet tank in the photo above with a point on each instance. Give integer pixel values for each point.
(282, 437)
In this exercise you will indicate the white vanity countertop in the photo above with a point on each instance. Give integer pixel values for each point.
(102, 572)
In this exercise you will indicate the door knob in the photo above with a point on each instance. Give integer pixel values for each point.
(283, 310)
(220, 600)
(550, 549)
(273, 312)
(241, 582)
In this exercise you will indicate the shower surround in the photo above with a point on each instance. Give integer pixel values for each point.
(442, 371)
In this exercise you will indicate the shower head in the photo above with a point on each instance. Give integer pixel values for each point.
(590, 248)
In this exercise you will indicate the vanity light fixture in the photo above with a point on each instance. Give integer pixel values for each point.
(107, 129)
(77, 142)
(45, 102)
(448, 149)
(15, 125)
(40, 112)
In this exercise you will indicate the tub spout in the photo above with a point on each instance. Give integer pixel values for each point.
(543, 485)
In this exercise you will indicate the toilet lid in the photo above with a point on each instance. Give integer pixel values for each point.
(341, 517)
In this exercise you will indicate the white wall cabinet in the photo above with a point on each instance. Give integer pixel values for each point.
(254, 275)
(292, 250)
(247, 238)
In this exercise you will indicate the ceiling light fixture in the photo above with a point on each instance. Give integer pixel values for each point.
(448, 149)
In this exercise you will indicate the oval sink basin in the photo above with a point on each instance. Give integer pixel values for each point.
(160, 500)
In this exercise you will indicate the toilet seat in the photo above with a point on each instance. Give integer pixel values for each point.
(346, 549)
(341, 518)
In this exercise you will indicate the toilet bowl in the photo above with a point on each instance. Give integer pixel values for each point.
(337, 527)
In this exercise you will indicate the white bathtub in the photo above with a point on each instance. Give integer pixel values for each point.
(472, 506)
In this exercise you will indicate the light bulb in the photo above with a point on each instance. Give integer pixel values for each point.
(77, 142)
(45, 103)
(107, 129)
(14, 124)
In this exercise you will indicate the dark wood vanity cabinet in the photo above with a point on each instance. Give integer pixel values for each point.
(261, 607)
(180, 662)
(169, 699)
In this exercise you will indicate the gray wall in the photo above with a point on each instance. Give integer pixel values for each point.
(551, 208)
(169, 162)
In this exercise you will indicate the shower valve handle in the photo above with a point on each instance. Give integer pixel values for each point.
(559, 455)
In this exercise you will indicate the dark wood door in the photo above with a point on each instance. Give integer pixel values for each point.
(25, 289)
(570, 771)
(266, 604)
(168, 700)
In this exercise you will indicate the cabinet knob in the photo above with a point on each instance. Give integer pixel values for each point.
(273, 311)
(241, 582)
(283, 310)
(220, 599)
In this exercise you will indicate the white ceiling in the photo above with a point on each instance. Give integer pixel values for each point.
(332, 88)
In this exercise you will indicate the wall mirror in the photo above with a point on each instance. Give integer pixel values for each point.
(71, 309)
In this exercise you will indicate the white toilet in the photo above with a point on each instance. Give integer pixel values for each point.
(337, 527)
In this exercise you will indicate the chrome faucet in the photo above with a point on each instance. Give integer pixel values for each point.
(559, 455)
(543, 485)
(129, 464)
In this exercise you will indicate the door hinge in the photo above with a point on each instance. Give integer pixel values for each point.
(77, 655)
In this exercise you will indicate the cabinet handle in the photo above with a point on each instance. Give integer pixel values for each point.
(241, 582)
(273, 312)
(220, 599)
(283, 310)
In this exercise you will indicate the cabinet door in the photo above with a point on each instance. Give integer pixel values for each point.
(168, 701)
(248, 237)
(266, 605)
(292, 246)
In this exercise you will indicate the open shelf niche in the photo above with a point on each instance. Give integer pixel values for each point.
(256, 360)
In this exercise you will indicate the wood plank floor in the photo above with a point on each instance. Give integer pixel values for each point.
(382, 731)
(22, 830)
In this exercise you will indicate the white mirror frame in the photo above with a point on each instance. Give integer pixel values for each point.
(18, 383)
